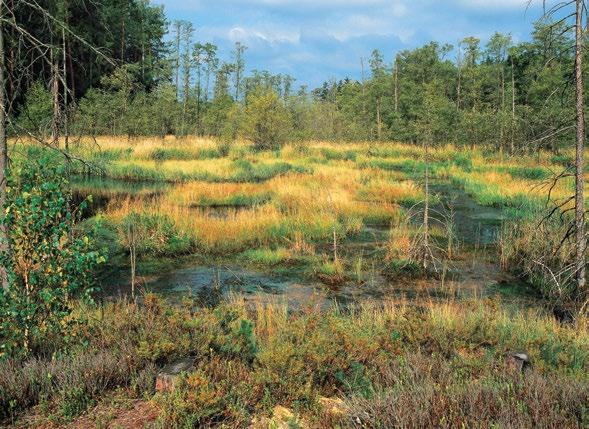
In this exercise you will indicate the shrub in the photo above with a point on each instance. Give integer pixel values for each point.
(71, 382)
(37, 113)
(534, 248)
(396, 365)
(435, 396)
(49, 264)
(463, 160)
(165, 154)
(267, 122)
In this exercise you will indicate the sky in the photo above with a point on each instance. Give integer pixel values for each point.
(318, 40)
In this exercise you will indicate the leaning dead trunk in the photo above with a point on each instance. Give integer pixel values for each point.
(65, 95)
(580, 239)
(3, 146)
(512, 147)
(378, 121)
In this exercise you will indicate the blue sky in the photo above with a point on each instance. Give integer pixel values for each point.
(316, 40)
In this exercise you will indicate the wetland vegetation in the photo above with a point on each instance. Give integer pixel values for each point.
(307, 287)
(185, 242)
(337, 215)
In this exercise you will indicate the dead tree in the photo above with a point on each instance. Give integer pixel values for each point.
(3, 145)
(55, 123)
(512, 146)
(426, 246)
(65, 91)
(396, 83)
(575, 271)
(40, 51)
(580, 237)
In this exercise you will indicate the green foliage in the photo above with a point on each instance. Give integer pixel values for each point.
(462, 161)
(466, 102)
(74, 402)
(267, 257)
(164, 154)
(249, 172)
(355, 380)
(267, 123)
(530, 173)
(344, 155)
(49, 262)
(536, 251)
(37, 112)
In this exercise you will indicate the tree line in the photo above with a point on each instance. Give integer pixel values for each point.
(503, 95)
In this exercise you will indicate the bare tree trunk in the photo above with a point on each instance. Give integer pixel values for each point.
(502, 95)
(580, 239)
(364, 94)
(207, 82)
(123, 40)
(512, 147)
(3, 147)
(133, 258)
(178, 35)
(55, 92)
(502, 87)
(378, 121)
(459, 86)
(65, 89)
(198, 97)
(72, 81)
(396, 84)
(425, 255)
(142, 51)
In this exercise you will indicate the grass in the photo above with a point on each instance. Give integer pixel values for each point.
(271, 213)
(188, 198)
(208, 170)
(504, 190)
(202, 194)
(391, 364)
(269, 257)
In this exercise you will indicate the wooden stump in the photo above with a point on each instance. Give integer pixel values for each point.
(518, 362)
(167, 377)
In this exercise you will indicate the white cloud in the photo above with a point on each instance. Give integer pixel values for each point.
(497, 4)
(267, 33)
(287, 4)
(314, 3)
(356, 26)
(315, 39)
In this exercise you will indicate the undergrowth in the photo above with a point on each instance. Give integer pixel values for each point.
(442, 365)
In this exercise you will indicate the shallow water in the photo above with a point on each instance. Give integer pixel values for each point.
(475, 226)
(209, 284)
(103, 190)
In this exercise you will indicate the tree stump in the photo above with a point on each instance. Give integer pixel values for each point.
(518, 362)
(167, 377)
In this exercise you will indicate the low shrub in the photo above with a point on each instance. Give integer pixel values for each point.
(72, 383)
(394, 365)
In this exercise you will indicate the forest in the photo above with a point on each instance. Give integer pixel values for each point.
(514, 97)
(187, 241)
